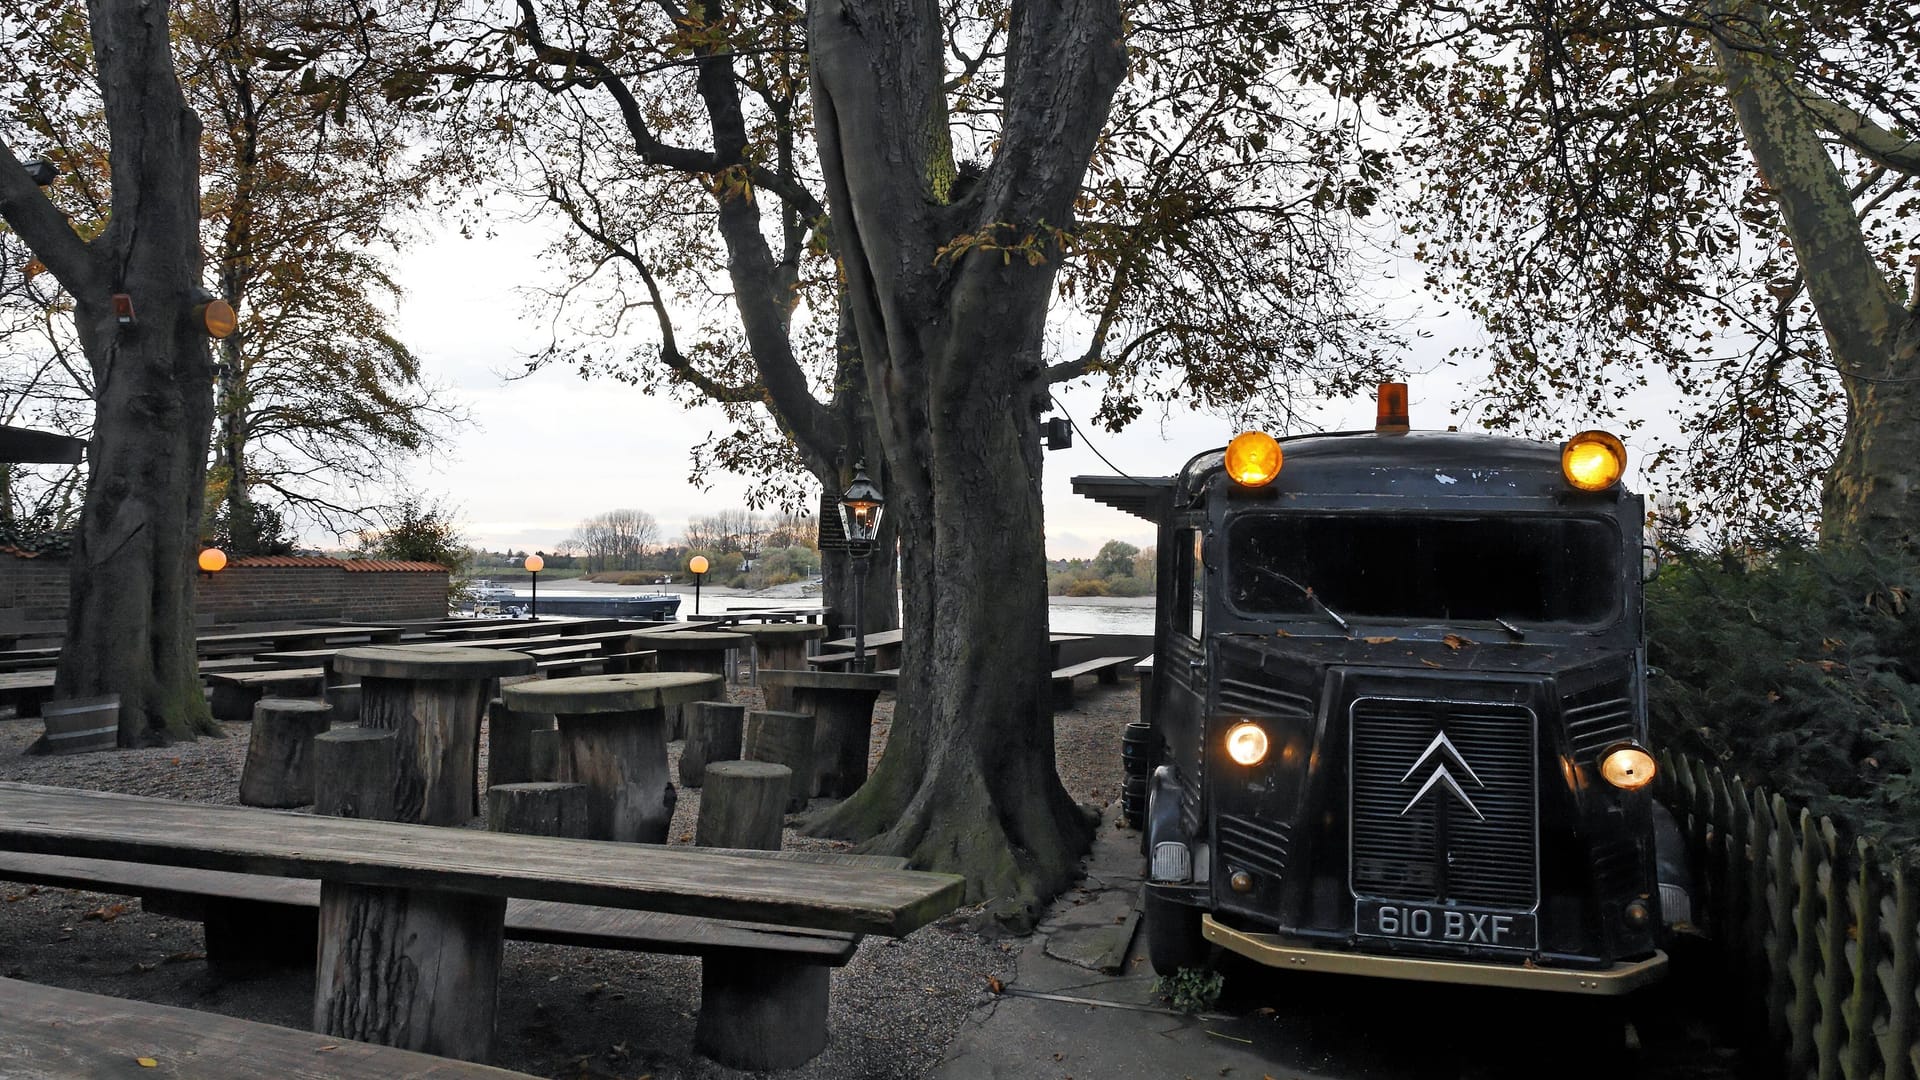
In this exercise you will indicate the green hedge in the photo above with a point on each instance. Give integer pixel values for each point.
(1796, 669)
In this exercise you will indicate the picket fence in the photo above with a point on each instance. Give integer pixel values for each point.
(1818, 929)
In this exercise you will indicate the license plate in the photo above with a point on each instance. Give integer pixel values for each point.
(1443, 923)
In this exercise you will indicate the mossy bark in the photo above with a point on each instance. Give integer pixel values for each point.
(951, 345)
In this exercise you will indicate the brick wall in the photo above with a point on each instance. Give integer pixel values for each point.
(35, 590)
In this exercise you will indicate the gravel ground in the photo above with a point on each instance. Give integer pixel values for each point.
(564, 1012)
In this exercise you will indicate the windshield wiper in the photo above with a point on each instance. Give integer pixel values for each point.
(1309, 594)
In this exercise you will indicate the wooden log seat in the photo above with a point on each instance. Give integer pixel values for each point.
(353, 772)
(48, 1032)
(613, 739)
(780, 645)
(539, 809)
(841, 704)
(235, 693)
(784, 738)
(743, 805)
(692, 650)
(434, 697)
(713, 734)
(279, 765)
(1107, 668)
(510, 743)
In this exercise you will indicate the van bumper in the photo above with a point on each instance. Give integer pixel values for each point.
(1280, 952)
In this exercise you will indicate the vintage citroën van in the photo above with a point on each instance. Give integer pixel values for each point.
(1396, 724)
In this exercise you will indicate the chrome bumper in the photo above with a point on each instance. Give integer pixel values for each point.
(1276, 951)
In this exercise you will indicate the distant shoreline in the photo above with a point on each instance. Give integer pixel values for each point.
(792, 591)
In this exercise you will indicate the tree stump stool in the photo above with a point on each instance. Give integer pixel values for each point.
(713, 734)
(780, 646)
(743, 804)
(544, 809)
(784, 738)
(434, 696)
(613, 739)
(353, 773)
(345, 700)
(279, 767)
(510, 743)
(693, 650)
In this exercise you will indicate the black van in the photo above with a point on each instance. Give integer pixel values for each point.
(1397, 719)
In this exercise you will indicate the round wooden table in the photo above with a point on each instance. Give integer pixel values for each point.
(691, 650)
(613, 739)
(842, 706)
(780, 646)
(434, 696)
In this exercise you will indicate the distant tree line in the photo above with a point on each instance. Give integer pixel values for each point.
(1119, 569)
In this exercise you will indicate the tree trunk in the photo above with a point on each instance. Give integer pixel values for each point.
(949, 291)
(1872, 492)
(130, 613)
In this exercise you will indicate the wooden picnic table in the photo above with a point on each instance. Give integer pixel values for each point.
(411, 919)
(284, 640)
(435, 697)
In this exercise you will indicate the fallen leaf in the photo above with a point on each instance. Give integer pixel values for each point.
(995, 984)
(147, 1063)
(1429, 663)
(329, 1046)
(105, 914)
(1455, 641)
(1379, 640)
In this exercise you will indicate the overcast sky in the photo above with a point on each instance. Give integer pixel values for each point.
(544, 452)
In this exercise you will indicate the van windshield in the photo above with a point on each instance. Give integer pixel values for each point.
(1523, 569)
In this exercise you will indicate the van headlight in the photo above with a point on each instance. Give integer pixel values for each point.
(1247, 743)
(1627, 767)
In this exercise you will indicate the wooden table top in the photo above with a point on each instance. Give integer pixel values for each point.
(774, 631)
(643, 877)
(695, 640)
(430, 662)
(629, 692)
(878, 637)
(317, 633)
(829, 680)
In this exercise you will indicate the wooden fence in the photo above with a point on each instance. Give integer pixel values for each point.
(1818, 929)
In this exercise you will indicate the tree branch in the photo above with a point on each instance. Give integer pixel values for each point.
(1874, 142)
(45, 230)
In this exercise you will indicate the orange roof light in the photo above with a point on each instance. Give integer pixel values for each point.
(1593, 460)
(1253, 458)
(1391, 417)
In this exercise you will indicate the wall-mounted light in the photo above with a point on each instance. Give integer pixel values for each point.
(123, 309)
(41, 171)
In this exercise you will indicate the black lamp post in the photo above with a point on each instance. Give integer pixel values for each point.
(698, 564)
(860, 508)
(534, 565)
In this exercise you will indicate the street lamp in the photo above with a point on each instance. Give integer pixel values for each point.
(212, 561)
(698, 564)
(534, 565)
(860, 508)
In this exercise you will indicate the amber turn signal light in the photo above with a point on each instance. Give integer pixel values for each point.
(1253, 458)
(1627, 767)
(1593, 460)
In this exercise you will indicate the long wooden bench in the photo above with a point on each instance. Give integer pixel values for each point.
(411, 917)
(1107, 668)
(49, 1032)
